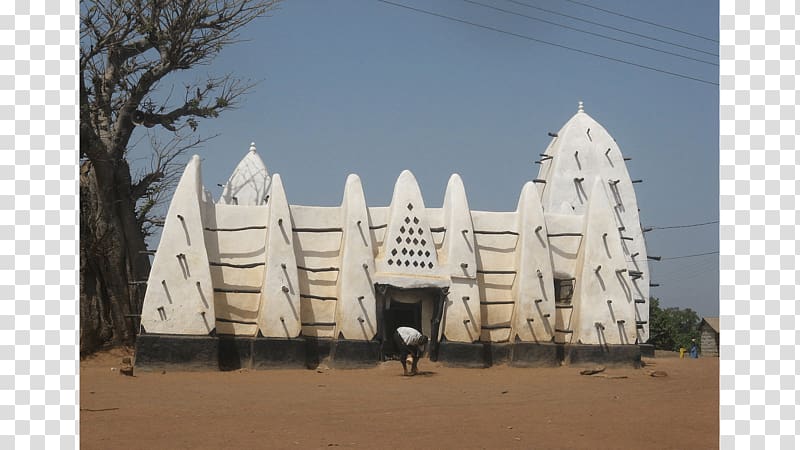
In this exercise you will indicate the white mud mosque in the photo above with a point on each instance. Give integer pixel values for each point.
(248, 280)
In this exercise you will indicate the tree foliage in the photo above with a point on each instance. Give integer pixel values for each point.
(128, 50)
(672, 328)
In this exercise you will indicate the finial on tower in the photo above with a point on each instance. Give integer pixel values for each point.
(580, 106)
(253, 147)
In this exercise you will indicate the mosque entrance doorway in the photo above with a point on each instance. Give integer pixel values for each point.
(400, 314)
(418, 308)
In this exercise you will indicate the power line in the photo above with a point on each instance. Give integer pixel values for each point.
(611, 28)
(686, 226)
(676, 257)
(588, 32)
(691, 256)
(529, 38)
(641, 20)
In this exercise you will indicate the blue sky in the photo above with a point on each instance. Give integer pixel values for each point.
(359, 86)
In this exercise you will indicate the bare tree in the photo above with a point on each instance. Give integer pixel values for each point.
(129, 48)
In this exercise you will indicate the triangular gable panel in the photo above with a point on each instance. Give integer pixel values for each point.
(408, 258)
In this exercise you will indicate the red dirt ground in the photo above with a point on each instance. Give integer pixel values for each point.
(499, 407)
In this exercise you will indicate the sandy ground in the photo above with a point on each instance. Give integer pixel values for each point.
(499, 407)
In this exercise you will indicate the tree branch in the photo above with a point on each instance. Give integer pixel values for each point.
(139, 189)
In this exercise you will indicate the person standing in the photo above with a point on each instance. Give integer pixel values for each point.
(693, 350)
(409, 342)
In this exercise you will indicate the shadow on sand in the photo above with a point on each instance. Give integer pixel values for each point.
(421, 373)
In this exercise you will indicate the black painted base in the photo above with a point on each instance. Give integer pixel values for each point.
(648, 350)
(463, 354)
(176, 352)
(531, 354)
(499, 353)
(187, 353)
(347, 354)
(485, 354)
(233, 353)
(317, 351)
(610, 355)
(276, 353)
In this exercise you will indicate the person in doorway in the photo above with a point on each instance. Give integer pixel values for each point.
(409, 342)
(693, 350)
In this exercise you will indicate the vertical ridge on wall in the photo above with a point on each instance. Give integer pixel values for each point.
(279, 314)
(355, 306)
(619, 187)
(462, 316)
(534, 308)
(604, 307)
(180, 295)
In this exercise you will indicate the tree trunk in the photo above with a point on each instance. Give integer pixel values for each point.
(111, 258)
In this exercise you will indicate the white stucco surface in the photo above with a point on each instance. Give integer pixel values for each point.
(495, 253)
(583, 152)
(180, 294)
(533, 289)
(279, 315)
(249, 183)
(564, 248)
(408, 256)
(355, 308)
(462, 316)
(604, 313)
(459, 243)
(378, 215)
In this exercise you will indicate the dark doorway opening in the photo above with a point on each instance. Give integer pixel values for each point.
(400, 315)
(421, 308)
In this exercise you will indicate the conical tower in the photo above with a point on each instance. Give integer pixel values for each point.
(249, 183)
(582, 157)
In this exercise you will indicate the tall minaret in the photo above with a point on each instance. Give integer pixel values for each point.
(583, 157)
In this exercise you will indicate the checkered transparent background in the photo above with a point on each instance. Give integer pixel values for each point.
(758, 249)
(38, 224)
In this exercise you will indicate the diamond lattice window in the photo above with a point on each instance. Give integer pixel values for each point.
(411, 249)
